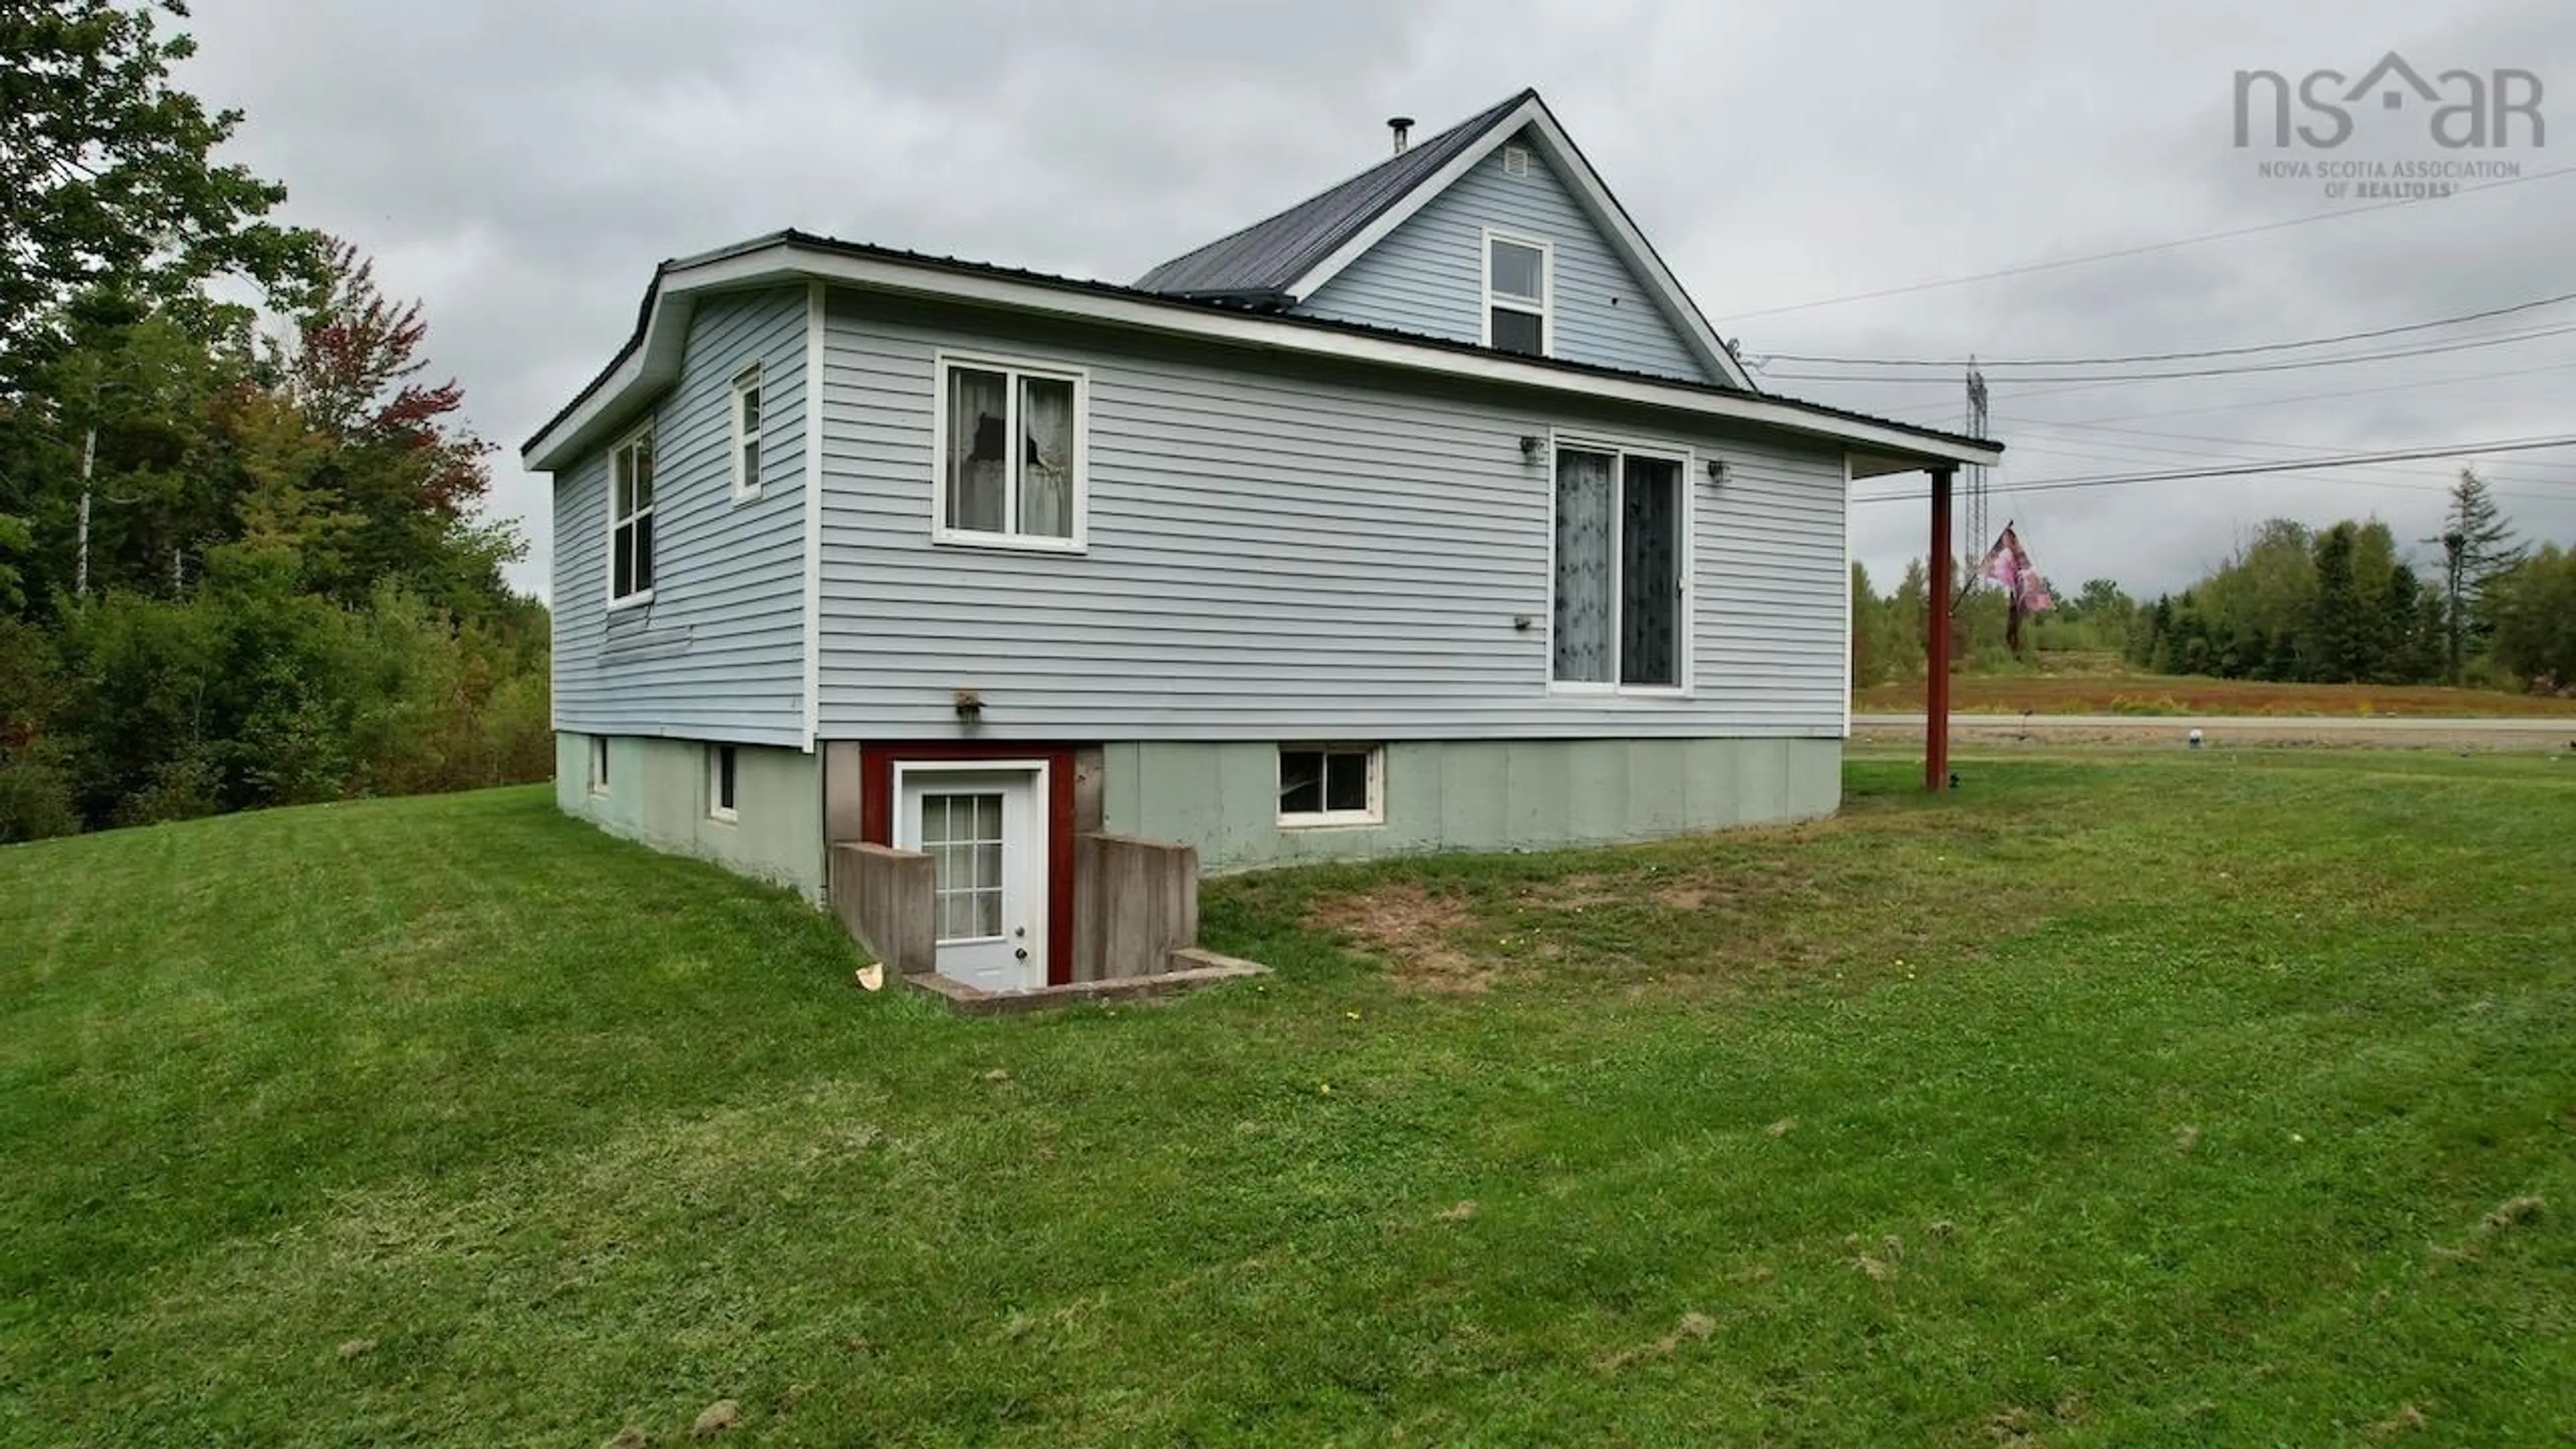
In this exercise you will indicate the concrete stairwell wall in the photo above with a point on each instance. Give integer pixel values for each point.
(1135, 902)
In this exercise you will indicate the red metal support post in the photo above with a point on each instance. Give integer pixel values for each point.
(1936, 642)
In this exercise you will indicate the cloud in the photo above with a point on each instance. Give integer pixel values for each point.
(521, 169)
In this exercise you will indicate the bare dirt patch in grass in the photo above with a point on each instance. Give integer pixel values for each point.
(1882, 888)
(2511, 1212)
(2407, 1419)
(1692, 1326)
(1413, 931)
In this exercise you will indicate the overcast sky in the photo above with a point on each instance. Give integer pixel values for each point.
(520, 168)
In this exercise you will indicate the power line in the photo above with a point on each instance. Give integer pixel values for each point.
(2428, 350)
(2054, 425)
(2136, 251)
(2137, 357)
(2299, 465)
(2411, 482)
(2279, 399)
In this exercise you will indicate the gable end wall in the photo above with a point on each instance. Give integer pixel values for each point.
(1427, 276)
(719, 653)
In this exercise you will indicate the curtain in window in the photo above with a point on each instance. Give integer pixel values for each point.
(1650, 572)
(977, 484)
(1583, 543)
(1046, 457)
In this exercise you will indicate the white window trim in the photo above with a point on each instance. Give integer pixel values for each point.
(1685, 620)
(642, 596)
(1015, 368)
(746, 483)
(717, 810)
(1375, 814)
(1546, 287)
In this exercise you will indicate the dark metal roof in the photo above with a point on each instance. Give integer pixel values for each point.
(957, 266)
(1258, 263)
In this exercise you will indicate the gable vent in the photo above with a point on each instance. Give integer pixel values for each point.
(1515, 160)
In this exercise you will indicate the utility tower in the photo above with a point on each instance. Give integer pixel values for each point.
(1979, 509)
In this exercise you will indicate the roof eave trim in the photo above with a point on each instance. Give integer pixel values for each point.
(653, 359)
(1236, 297)
(1597, 203)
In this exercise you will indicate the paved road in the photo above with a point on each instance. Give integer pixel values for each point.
(2220, 730)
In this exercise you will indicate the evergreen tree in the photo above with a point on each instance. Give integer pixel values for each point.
(2335, 637)
(1908, 614)
(1868, 659)
(2478, 547)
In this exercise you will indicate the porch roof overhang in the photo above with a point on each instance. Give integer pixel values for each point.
(650, 360)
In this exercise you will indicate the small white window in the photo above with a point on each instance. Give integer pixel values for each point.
(1332, 785)
(746, 434)
(1518, 289)
(720, 777)
(1515, 160)
(1010, 455)
(598, 765)
(630, 520)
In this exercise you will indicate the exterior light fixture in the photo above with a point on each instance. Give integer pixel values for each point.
(1532, 445)
(1717, 471)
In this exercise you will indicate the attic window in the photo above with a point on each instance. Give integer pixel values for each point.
(1517, 293)
(1515, 160)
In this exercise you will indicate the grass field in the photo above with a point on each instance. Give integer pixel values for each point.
(2207, 1099)
(2157, 694)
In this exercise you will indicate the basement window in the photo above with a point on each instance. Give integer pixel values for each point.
(1332, 785)
(598, 765)
(720, 781)
(1518, 293)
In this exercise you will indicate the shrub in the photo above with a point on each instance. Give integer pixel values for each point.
(35, 802)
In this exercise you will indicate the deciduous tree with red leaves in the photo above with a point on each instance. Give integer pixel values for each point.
(398, 463)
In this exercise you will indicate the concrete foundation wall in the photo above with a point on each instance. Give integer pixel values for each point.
(657, 794)
(1223, 797)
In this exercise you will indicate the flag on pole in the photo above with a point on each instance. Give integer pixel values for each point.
(2007, 564)
(2024, 590)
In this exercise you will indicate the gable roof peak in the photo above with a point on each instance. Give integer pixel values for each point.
(1281, 260)
(1256, 265)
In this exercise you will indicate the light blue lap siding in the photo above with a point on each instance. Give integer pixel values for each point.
(719, 653)
(1280, 553)
(1427, 275)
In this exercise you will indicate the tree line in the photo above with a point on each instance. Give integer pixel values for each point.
(2341, 604)
(242, 555)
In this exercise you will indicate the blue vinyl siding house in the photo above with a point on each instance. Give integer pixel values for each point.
(1428, 514)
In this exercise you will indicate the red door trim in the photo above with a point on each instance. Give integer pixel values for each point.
(876, 821)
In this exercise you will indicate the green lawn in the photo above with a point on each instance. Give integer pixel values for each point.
(2195, 1099)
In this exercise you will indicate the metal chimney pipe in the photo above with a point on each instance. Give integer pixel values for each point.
(1402, 126)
